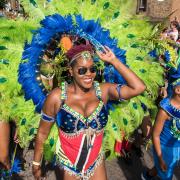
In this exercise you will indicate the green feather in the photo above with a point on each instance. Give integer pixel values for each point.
(128, 28)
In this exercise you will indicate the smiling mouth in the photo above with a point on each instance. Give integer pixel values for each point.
(89, 80)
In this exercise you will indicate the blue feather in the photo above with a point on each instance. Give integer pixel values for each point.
(52, 25)
(153, 53)
(16, 168)
(167, 56)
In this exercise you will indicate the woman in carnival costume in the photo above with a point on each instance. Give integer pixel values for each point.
(127, 115)
(79, 110)
(166, 134)
(45, 51)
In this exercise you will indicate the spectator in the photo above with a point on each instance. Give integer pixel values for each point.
(173, 34)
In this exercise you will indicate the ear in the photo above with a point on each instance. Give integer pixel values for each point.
(177, 90)
(70, 71)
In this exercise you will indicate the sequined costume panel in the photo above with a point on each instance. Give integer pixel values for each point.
(72, 122)
(170, 135)
(80, 138)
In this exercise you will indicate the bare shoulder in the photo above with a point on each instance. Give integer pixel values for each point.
(163, 114)
(53, 101)
(54, 95)
(55, 92)
(105, 91)
(105, 86)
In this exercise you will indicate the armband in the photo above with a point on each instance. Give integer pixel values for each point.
(45, 117)
(118, 88)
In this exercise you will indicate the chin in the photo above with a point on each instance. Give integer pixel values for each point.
(87, 84)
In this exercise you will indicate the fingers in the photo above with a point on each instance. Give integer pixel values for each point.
(16, 140)
(100, 54)
(37, 176)
(163, 93)
(107, 49)
(5, 165)
(164, 169)
(106, 54)
(163, 166)
(36, 170)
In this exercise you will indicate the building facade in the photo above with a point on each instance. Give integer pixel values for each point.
(157, 10)
(14, 4)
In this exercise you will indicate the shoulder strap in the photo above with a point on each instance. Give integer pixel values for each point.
(98, 90)
(63, 91)
(171, 110)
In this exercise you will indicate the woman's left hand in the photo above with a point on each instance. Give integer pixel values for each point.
(106, 56)
(163, 165)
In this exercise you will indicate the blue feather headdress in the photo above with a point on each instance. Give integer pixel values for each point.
(53, 27)
(173, 80)
(176, 76)
(176, 83)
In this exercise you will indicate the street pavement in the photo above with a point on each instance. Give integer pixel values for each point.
(117, 169)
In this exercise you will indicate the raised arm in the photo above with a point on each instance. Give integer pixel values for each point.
(49, 112)
(161, 117)
(135, 85)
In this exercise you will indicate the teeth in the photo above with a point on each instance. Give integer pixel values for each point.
(87, 80)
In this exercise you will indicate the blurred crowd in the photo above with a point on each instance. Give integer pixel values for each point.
(172, 32)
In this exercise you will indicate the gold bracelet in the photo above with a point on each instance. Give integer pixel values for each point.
(36, 163)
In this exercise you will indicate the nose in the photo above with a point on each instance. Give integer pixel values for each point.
(88, 72)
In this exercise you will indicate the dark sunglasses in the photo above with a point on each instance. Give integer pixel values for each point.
(83, 70)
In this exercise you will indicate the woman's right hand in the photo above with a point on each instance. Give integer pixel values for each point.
(163, 165)
(36, 170)
(107, 55)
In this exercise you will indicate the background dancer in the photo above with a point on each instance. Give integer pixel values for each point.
(166, 136)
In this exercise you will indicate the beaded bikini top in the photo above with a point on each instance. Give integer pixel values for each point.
(71, 121)
(175, 117)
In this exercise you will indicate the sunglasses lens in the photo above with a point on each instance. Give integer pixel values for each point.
(93, 69)
(82, 71)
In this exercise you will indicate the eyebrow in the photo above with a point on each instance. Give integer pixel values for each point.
(85, 66)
